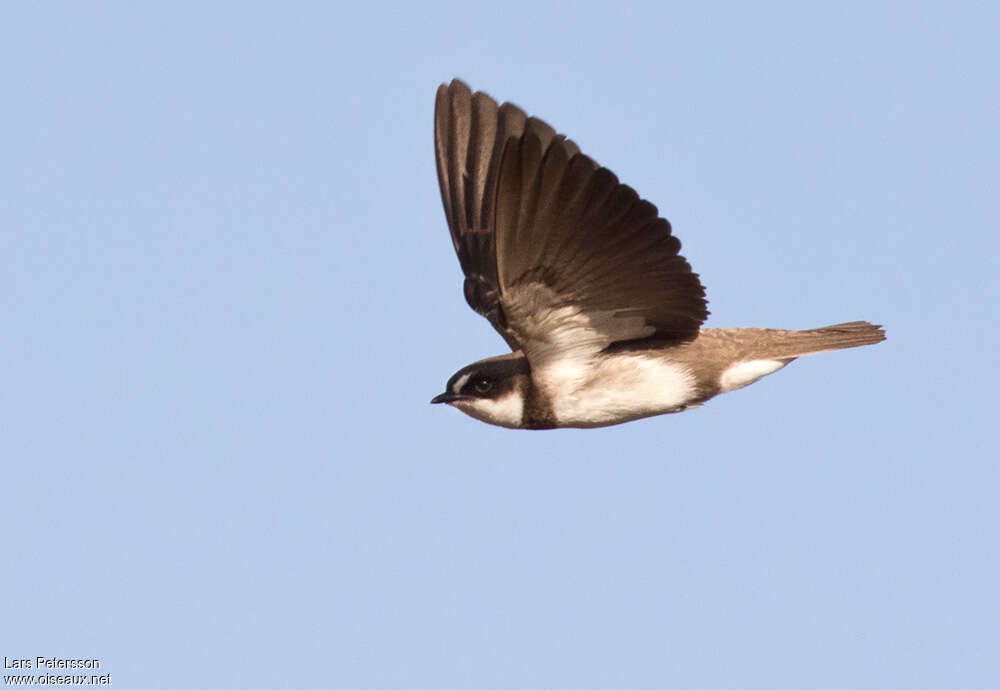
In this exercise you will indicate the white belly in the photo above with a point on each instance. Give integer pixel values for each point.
(619, 389)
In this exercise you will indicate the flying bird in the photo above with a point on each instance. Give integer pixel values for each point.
(584, 281)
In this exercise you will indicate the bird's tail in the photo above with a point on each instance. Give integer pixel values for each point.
(791, 344)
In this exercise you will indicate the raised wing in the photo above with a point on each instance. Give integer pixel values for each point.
(470, 133)
(583, 263)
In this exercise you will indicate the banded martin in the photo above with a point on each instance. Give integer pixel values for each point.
(584, 281)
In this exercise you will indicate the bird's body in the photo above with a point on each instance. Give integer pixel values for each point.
(631, 384)
(584, 281)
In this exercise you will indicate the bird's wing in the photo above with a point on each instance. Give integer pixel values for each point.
(583, 263)
(470, 133)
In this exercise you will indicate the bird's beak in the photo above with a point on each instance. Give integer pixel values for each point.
(446, 398)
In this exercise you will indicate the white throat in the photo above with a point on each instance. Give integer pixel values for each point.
(507, 410)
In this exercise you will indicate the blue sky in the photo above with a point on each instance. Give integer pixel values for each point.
(228, 293)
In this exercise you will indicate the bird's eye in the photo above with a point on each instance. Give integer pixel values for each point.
(482, 385)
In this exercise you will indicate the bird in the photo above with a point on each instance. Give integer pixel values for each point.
(584, 281)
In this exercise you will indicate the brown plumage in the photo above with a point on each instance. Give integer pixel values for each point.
(717, 349)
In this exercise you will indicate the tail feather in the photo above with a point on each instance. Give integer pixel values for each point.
(837, 337)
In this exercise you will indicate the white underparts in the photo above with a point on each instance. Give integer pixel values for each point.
(744, 373)
(611, 389)
(615, 389)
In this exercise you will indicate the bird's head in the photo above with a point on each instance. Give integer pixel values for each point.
(490, 390)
